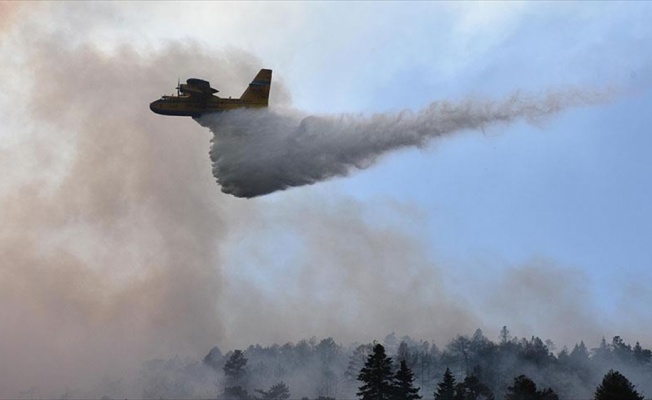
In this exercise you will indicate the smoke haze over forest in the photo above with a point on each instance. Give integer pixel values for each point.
(118, 246)
(318, 369)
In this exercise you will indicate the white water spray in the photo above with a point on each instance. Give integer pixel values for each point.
(256, 152)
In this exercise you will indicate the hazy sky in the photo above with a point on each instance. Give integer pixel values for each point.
(117, 244)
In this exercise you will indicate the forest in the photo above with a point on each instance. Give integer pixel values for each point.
(324, 369)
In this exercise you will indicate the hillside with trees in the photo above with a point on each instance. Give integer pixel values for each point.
(467, 367)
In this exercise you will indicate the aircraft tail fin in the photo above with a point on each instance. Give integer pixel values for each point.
(258, 90)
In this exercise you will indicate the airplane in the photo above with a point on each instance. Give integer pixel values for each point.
(195, 97)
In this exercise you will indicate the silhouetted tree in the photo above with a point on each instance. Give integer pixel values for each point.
(280, 391)
(317, 368)
(303, 350)
(460, 348)
(472, 389)
(235, 372)
(642, 356)
(357, 360)
(579, 363)
(391, 343)
(404, 384)
(536, 352)
(446, 388)
(523, 389)
(484, 358)
(327, 350)
(403, 352)
(602, 353)
(235, 368)
(376, 376)
(327, 381)
(615, 386)
(214, 358)
(564, 357)
(505, 337)
(425, 366)
(579, 356)
(621, 350)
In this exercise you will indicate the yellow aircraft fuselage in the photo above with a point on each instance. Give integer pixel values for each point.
(188, 107)
(198, 98)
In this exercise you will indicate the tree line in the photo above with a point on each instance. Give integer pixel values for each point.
(380, 382)
(468, 367)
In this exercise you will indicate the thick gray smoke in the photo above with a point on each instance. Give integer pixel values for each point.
(110, 236)
(256, 152)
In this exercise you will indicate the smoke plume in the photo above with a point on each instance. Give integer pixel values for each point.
(110, 236)
(256, 152)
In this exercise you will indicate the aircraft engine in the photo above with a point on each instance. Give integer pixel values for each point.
(184, 88)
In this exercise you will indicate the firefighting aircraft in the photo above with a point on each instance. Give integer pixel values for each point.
(195, 97)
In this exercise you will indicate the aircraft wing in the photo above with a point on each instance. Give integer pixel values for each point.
(197, 87)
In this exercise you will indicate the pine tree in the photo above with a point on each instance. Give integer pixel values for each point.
(505, 337)
(473, 389)
(523, 389)
(404, 388)
(235, 374)
(615, 386)
(376, 376)
(446, 388)
(214, 358)
(280, 391)
(621, 350)
(602, 353)
(235, 369)
(642, 356)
